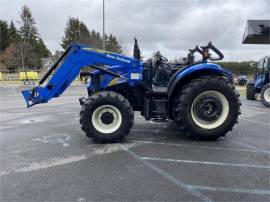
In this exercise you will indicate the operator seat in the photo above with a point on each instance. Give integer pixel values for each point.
(160, 75)
(148, 78)
(189, 60)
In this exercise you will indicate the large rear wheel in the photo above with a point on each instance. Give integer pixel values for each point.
(207, 108)
(265, 95)
(106, 117)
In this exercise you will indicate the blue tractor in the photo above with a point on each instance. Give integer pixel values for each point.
(261, 82)
(200, 97)
(258, 32)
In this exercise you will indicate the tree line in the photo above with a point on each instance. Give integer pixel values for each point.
(76, 30)
(237, 68)
(23, 47)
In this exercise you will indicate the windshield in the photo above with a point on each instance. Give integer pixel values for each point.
(267, 64)
(260, 63)
(264, 65)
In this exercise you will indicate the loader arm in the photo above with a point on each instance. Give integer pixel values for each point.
(68, 67)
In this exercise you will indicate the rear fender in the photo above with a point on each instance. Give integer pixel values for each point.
(202, 69)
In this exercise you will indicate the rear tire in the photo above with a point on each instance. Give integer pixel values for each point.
(207, 108)
(106, 117)
(251, 92)
(265, 95)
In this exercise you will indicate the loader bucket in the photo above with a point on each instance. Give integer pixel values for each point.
(257, 32)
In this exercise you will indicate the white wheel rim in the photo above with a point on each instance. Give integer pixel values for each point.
(266, 95)
(106, 128)
(222, 117)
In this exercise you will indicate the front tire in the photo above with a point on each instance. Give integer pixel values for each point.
(207, 108)
(251, 92)
(106, 117)
(265, 95)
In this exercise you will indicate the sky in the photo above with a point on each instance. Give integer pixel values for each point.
(171, 26)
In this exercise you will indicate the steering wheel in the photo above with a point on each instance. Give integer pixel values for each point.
(161, 59)
(206, 55)
(164, 58)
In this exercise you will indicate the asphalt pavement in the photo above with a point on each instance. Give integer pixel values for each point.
(46, 157)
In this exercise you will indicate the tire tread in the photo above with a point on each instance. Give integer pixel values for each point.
(182, 100)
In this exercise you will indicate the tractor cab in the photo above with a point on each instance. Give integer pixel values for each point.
(260, 83)
(262, 72)
(264, 65)
(161, 72)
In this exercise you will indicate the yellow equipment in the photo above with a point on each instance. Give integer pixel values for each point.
(28, 75)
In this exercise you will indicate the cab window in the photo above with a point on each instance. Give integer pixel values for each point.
(260, 64)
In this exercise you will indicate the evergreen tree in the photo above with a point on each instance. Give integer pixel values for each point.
(94, 41)
(72, 32)
(40, 48)
(24, 42)
(28, 30)
(98, 41)
(4, 35)
(84, 34)
(112, 44)
(13, 33)
(32, 46)
(77, 31)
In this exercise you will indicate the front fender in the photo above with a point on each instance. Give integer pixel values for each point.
(202, 69)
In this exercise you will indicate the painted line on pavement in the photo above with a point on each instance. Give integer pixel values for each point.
(58, 161)
(156, 131)
(201, 147)
(228, 189)
(249, 146)
(206, 162)
(46, 164)
(169, 177)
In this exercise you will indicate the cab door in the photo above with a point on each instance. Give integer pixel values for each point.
(261, 75)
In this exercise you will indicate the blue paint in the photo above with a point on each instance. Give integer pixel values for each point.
(202, 66)
(76, 57)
